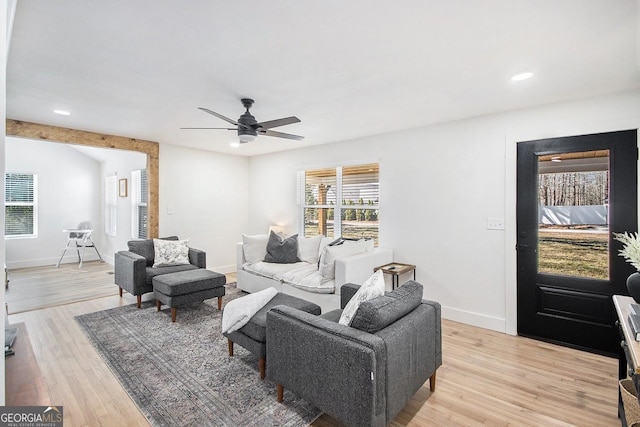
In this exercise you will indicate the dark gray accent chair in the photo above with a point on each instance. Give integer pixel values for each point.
(134, 270)
(363, 374)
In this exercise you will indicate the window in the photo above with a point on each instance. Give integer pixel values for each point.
(21, 205)
(342, 201)
(110, 207)
(139, 196)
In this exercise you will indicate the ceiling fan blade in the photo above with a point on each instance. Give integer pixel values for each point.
(279, 122)
(212, 128)
(226, 119)
(280, 134)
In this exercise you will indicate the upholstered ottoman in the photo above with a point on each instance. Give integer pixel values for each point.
(184, 287)
(253, 335)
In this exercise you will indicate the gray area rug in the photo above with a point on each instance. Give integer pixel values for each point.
(180, 374)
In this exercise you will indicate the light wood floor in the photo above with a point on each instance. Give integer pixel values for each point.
(48, 286)
(487, 378)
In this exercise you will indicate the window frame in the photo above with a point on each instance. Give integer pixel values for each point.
(138, 199)
(111, 205)
(33, 204)
(341, 206)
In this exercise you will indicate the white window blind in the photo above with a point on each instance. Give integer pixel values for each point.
(342, 201)
(110, 204)
(21, 208)
(139, 190)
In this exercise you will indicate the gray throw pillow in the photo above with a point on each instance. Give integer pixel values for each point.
(378, 313)
(282, 251)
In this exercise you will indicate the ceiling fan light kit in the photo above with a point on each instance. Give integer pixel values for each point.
(249, 128)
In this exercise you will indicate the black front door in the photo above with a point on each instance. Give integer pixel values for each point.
(573, 193)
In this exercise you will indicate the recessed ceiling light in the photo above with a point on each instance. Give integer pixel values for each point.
(62, 112)
(234, 144)
(522, 76)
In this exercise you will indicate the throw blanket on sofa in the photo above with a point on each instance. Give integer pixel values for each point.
(238, 312)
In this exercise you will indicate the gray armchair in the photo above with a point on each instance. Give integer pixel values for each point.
(362, 374)
(134, 272)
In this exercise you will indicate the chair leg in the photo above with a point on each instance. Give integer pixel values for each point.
(219, 303)
(84, 248)
(120, 291)
(262, 365)
(93, 245)
(432, 382)
(279, 392)
(78, 252)
(174, 310)
(230, 344)
(63, 252)
(158, 305)
(139, 300)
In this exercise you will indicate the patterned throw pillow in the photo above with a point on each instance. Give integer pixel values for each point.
(372, 288)
(170, 252)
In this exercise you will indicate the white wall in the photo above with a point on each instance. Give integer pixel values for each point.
(203, 197)
(120, 163)
(70, 190)
(6, 19)
(68, 193)
(465, 169)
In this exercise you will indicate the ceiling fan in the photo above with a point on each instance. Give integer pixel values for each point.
(248, 128)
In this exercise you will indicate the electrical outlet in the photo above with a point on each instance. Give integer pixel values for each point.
(495, 223)
(169, 210)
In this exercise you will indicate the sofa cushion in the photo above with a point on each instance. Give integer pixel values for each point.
(271, 269)
(282, 251)
(373, 287)
(254, 247)
(308, 278)
(309, 249)
(377, 313)
(333, 315)
(331, 253)
(145, 248)
(187, 282)
(170, 252)
(153, 272)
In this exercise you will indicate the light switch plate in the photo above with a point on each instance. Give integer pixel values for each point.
(495, 223)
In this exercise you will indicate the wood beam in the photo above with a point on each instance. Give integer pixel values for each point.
(38, 131)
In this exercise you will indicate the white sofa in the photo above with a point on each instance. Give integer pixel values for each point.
(314, 278)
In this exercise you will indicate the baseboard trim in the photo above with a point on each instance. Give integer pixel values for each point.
(474, 319)
(43, 262)
(223, 269)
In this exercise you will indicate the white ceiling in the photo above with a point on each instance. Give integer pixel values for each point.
(347, 69)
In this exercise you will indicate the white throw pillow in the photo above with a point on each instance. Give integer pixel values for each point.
(308, 249)
(323, 244)
(373, 287)
(170, 252)
(370, 245)
(331, 253)
(254, 247)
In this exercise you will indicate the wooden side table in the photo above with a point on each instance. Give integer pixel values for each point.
(396, 269)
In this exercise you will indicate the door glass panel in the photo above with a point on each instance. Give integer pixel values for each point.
(573, 214)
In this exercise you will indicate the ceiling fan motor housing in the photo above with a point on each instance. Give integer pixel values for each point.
(248, 120)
